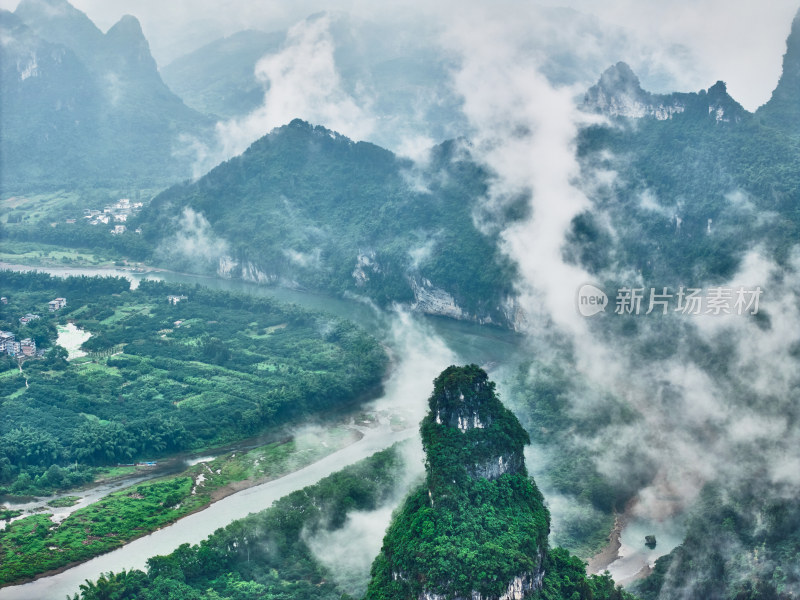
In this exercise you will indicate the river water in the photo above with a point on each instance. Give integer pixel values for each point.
(421, 348)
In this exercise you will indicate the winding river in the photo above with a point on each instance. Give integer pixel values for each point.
(421, 347)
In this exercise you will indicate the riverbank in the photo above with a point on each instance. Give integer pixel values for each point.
(136, 511)
(627, 556)
(422, 347)
(610, 552)
(196, 527)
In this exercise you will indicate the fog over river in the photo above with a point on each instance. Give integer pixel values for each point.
(420, 347)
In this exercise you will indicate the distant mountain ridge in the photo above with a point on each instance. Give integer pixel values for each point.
(83, 108)
(618, 93)
(219, 78)
(783, 108)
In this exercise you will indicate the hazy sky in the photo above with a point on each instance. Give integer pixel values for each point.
(738, 41)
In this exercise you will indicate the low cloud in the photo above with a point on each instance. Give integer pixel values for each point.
(301, 81)
(307, 260)
(194, 246)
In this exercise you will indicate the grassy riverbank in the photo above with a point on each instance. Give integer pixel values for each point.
(36, 544)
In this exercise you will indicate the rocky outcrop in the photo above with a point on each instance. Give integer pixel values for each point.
(366, 265)
(431, 300)
(619, 94)
(251, 272)
(521, 587)
(471, 441)
(493, 468)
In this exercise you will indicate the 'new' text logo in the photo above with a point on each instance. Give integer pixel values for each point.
(591, 300)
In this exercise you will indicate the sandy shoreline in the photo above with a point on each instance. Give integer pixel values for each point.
(610, 552)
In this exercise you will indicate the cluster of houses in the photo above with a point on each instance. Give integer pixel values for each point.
(10, 346)
(115, 214)
(27, 347)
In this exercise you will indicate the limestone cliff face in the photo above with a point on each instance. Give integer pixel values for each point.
(783, 108)
(618, 93)
(521, 587)
(465, 401)
(477, 529)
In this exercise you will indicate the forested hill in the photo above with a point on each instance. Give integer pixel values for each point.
(84, 109)
(308, 207)
(478, 526)
(700, 180)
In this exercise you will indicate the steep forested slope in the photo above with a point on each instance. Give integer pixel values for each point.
(306, 206)
(84, 109)
(478, 525)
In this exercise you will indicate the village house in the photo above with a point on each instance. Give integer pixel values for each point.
(27, 347)
(12, 348)
(6, 338)
(57, 304)
(117, 212)
(175, 299)
(118, 229)
(28, 318)
(4, 300)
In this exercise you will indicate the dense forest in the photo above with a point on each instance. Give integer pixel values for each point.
(163, 377)
(307, 205)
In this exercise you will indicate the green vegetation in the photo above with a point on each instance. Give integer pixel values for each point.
(478, 523)
(303, 204)
(8, 514)
(63, 502)
(162, 378)
(741, 175)
(34, 544)
(120, 136)
(265, 555)
(47, 255)
(738, 547)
